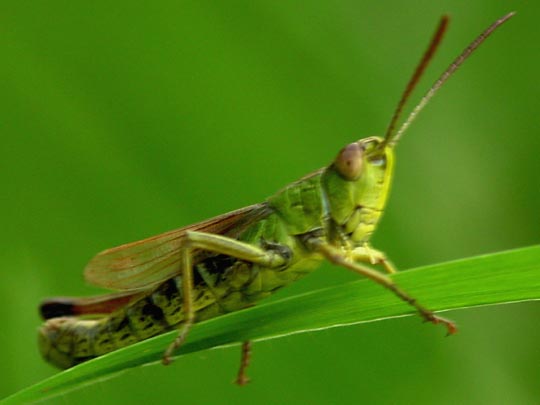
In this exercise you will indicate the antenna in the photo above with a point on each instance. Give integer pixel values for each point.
(420, 68)
(390, 139)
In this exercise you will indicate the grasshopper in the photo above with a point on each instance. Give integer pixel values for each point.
(172, 280)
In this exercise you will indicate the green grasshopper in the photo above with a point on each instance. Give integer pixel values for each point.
(224, 264)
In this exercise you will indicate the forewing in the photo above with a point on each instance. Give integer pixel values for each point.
(147, 262)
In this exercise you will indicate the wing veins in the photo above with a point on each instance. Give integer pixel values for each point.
(143, 263)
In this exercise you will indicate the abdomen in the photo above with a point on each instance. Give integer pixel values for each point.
(68, 340)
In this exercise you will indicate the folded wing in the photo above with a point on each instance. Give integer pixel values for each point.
(147, 262)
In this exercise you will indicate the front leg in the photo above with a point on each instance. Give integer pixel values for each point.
(336, 256)
(367, 254)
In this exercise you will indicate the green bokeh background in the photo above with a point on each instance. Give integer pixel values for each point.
(122, 120)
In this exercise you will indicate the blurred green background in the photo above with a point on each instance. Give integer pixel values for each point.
(122, 120)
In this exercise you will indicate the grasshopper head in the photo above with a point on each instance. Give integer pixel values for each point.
(357, 182)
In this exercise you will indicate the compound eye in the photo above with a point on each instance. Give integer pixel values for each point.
(349, 162)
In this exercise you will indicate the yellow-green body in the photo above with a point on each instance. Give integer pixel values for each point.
(341, 211)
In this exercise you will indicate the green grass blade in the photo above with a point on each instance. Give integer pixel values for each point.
(490, 279)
